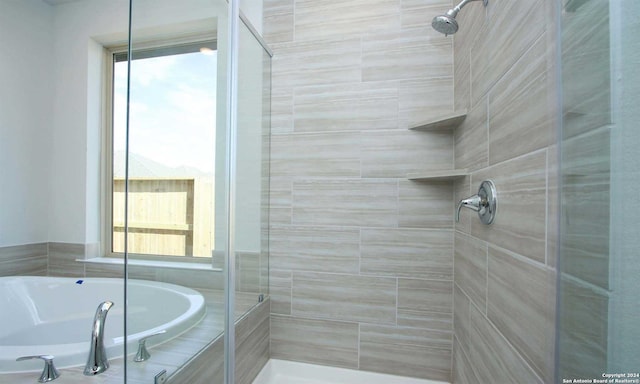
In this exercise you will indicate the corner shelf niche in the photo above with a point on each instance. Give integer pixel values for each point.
(445, 123)
(438, 175)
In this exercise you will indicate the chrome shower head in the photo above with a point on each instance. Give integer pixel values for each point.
(447, 23)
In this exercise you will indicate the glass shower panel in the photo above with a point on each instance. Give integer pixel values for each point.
(598, 293)
(176, 199)
(253, 164)
(624, 300)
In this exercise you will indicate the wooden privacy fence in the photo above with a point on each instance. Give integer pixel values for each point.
(167, 216)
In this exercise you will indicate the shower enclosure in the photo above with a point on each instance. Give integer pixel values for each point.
(598, 286)
(158, 116)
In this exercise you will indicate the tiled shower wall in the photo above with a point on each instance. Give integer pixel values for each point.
(505, 273)
(361, 259)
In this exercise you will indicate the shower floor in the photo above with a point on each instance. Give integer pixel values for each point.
(289, 372)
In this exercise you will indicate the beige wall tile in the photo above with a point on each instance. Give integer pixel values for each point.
(521, 23)
(318, 62)
(553, 206)
(471, 22)
(372, 69)
(278, 20)
(415, 13)
(280, 200)
(248, 272)
(471, 268)
(104, 270)
(344, 297)
(334, 154)
(504, 77)
(520, 118)
(399, 152)
(281, 110)
(586, 68)
(421, 100)
(324, 18)
(29, 259)
(405, 351)
(406, 54)
(584, 326)
(280, 291)
(519, 304)
(252, 343)
(493, 359)
(586, 197)
(425, 204)
(472, 138)
(349, 202)
(62, 259)
(462, 369)
(346, 107)
(419, 253)
(520, 222)
(462, 318)
(425, 304)
(314, 341)
(327, 249)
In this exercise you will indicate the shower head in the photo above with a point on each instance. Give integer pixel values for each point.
(447, 23)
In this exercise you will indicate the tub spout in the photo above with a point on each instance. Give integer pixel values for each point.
(97, 361)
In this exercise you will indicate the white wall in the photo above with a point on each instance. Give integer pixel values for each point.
(25, 120)
(252, 9)
(75, 149)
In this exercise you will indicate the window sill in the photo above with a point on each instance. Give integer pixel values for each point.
(152, 263)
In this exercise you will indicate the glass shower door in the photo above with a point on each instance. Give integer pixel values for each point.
(175, 186)
(599, 267)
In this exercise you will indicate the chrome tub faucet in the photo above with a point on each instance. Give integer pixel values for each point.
(97, 362)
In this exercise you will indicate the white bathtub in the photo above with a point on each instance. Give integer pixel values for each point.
(54, 316)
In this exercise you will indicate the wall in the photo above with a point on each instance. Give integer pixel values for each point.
(252, 9)
(26, 94)
(361, 265)
(252, 352)
(504, 273)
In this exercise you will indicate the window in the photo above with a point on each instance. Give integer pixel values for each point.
(172, 126)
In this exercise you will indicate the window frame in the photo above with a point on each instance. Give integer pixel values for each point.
(112, 55)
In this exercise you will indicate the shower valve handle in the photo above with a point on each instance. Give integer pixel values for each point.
(474, 202)
(485, 202)
(49, 373)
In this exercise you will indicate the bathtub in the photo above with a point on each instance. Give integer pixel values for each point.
(54, 316)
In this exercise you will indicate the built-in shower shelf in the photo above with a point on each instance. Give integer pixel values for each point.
(442, 123)
(438, 175)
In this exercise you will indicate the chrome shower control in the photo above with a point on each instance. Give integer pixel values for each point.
(485, 202)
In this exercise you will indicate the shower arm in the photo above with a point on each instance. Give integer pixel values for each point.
(454, 11)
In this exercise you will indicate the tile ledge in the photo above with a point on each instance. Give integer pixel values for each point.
(442, 123)
(438, 175)
(152, 263)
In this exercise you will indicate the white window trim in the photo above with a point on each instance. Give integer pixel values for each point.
(106, 198)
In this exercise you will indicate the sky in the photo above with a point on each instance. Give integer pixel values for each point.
(172, 109)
